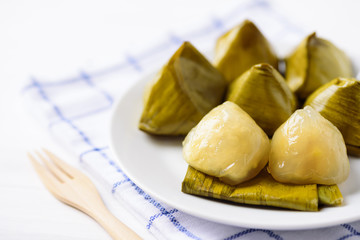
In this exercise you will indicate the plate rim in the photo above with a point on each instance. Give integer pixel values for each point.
(113, 122)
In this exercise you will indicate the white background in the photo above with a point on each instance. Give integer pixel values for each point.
(54, 39)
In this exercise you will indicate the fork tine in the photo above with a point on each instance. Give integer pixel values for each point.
(66, 168)
(60, 175)
(73, 192)
(46, 177)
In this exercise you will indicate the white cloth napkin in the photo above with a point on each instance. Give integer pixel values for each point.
(77, 112)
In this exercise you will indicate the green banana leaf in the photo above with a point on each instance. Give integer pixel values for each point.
(240, 48)
(315, 62)
(339, 102)
(263, 93)
(262, 190)
(185, 89)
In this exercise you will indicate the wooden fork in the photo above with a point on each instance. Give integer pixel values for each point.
(74, 188)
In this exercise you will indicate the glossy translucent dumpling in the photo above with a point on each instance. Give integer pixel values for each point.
(307, 149)
(227, 143)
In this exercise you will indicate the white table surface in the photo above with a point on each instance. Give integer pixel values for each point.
(44, 38)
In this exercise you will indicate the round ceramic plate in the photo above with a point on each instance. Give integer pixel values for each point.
(156, 165)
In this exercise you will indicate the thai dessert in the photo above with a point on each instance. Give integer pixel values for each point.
(263, 93)
(228, 144)
(229, 110)
(314, 62)
(339, 102)
(184, 90)
(308, 149)
(240, 48)
(227, 155)
(263, 190)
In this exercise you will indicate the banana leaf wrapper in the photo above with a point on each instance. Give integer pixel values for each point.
(339, 102)
(263, 93)
(182, 92)
(315, 62)
(240, 48)
(262, 190)
(330, 195)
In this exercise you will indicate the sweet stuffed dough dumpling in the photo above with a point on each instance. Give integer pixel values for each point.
(228, 144)
(308, 149)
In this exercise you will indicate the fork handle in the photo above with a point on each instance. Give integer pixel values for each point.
(116, 229)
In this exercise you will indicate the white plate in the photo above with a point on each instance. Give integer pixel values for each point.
(156, 165)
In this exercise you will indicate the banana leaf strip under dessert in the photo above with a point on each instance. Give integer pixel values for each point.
(185, 89)
(339, 102)
(240, 48)
(262, 190)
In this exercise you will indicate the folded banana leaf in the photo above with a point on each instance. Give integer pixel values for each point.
(330, 195)
(182, 92)
(240, 48)
(338, 101)
(262, 190)
(263, 93)
(315, 62)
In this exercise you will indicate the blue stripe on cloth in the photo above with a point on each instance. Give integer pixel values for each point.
(175, 39)
(119, 183)
(95, 74)
(159, 206)
(50, 84)
(61, 116)
(87, 78)
(271, 234)
(83, 115)
(108, 98)
(102, 153)
(351, 229)
(346, 236)
(217, 23)
(99, 150)
(110, 161)
(181, 228)
(152, 218)
(133, 61)
(288, 25)
(148, 198)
